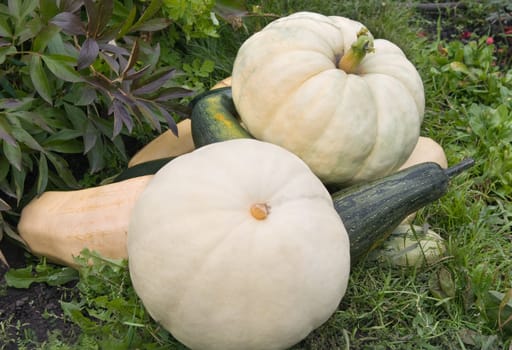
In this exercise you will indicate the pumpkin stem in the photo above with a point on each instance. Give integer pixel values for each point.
(260, 211)
(363, 45)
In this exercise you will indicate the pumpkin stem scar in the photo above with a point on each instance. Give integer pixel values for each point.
(363, 45)
(260, 211)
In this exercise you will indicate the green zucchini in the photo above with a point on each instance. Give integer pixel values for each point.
(214, 118)
(371, 211)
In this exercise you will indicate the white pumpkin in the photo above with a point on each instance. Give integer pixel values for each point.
(237, 245)
(349, 125)
(411, 245)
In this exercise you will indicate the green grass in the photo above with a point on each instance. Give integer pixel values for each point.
(469, 112)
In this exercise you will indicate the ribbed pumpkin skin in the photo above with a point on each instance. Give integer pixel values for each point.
(216, 277)
(347, 127)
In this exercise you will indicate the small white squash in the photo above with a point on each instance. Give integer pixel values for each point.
(237, 245)
(350, 106)
(412, 246)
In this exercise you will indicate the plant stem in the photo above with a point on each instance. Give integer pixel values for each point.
(350, 61)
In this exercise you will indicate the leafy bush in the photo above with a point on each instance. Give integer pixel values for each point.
(78, 77)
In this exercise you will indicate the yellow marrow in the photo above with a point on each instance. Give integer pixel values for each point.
(166, 145)
(60, 224)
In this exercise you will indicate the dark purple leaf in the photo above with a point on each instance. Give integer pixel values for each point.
(155, 82)
(98, 83)
(181, 110)
(121, 116)
(173, 93)
(93, 18)
(4, 205)
(122, 62)
(114, 49)
(4, 43)
(123, 97)
(69, 22)
(105, 11)
(133, 75)
(88, 53)
(71, 5)
(134, 55)
(147, 113)
(11, 103)
(7, 138)
(168, 118)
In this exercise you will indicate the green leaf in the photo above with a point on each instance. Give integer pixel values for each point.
(28, 31)
(28, 7)
(5, 29)
(42, 176)
(24, 137)
(73, 146)
(127, 23)
(39, 79)
(19, 177)
(43, 38)
(13, 154)
(153, 7)
(61, 67)
(62, 168)
(14, 8)
(6, 51)
(499, 310)
(96, 156)
(90, 136)
(48, 9)
(53, 276)
(4, 168)
(6, 132)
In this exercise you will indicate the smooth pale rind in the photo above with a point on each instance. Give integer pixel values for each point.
(166, 144)
(216, 277)
(347, 127)
(426, 150)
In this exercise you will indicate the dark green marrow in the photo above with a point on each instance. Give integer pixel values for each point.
(372, 210)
